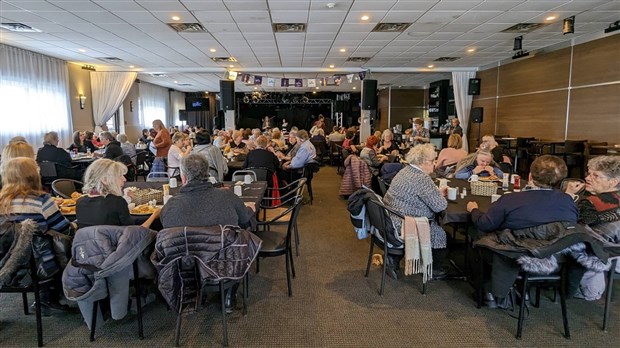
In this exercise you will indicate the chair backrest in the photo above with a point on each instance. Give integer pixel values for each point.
(65, 187)
(505, 167)
(158, 177)
(239, 175)
(141, 158)
(383, 186)
(575, 146)
(379, 218)
(48, 169)
(262, 174)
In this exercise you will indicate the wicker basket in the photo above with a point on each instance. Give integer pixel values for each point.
(480, 188)
(143, 196)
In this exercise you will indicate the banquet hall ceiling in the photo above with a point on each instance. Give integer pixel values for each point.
(137, 33)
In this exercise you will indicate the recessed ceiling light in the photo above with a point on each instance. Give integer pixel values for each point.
(550, 18)
(331, 66)
(231, 66)
(343, 50)
(176, 18)
(430, 66)
(176, 81)
(354, 87)
(313, 92)
(316, 87)
(255, 87)
(131, 67)
(365, 18)
(213, 50)
(471, 50)
(82, 50)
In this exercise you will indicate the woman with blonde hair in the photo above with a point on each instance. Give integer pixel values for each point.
(276, 139)
(22, 198)
(388, 146)
(180, 148)
(16, 149)
(104, 203)
(488, 143)
(451, 155)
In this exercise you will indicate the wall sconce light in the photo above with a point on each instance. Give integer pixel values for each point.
(568, 26)
(82, 101)
(518, 43)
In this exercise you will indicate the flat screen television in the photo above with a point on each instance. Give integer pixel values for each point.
(196, 104)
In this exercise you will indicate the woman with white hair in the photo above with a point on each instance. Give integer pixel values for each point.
(128, 148)
(388, 146)
(104, 203)
(413, 193)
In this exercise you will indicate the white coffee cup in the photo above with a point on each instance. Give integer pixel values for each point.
(512, 178)
(247, 179)
(443, 182)
(452, 191)
(495, 197)
(473, 178)
(173, 182)
(238, 190)
(212, 180)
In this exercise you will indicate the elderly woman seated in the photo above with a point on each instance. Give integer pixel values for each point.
(600, 210)
(369, 155)
(483, 167)
(450, 156)
(413, 193)
(527, 217)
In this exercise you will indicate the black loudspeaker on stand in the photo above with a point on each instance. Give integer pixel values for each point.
(227, 95)
(474, 87)
(369, 94)
(477, 117)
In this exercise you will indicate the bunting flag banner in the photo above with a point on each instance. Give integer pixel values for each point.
(284, 83)
(311, 83)
(299, 83)
(337, 80)
(362, 75)
(271, 82)
(258, 80)
(350, 78)
(323, 81)
(245, 78)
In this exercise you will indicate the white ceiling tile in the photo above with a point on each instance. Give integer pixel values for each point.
(498, 5)
(253, 37)
(424, 27)
(433, 17)
(255, 28)
(213, 17)
(289, 16)
(221, 28)
(414, 5)
(356, 17)
(246, 5)
(463, 5)
(538, 5)
(402, 16)
(161, 5)
(357, 28)
(100, 17)
(119, 5)
(289, 5)
(443, 36)
(251, 16)
(34, 5)
(514, 17)
(322, 5)
(202, 5)
(322, 28)
(476, 17)
(225, 36)
(327, 16)
(362, 5)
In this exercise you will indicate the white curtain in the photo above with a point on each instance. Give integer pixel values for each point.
(177, 102)
(34, 96)
(462, 101)
(154, 104)
(109, 89)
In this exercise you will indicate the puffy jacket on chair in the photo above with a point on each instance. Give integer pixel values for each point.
(101, 266)
(187, 258)
(356, 174)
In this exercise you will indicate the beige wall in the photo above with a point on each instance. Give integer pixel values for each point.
(133, 129)
(79, 83)
(572, 93)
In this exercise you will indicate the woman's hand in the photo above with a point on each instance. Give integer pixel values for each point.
(574, 186)
(478, 169)
(471, 206)
(444, 191)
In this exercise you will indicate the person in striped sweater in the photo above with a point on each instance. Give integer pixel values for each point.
(22, 198)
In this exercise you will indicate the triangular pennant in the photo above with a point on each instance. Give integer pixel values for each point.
(258, 80)
(337, 80)
(311, 82)
(299, 83)
(271, 82)
(245, 78)
(284, 83)
(362, 75)
(350, 78)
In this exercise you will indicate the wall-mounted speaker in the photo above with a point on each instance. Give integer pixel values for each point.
(227, 95)
(474, 87)
(182, 115)
(369, 94)
(477, 115)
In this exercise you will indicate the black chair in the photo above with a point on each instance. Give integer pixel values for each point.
(96, 304)
(308, 173)
(288, 196)
(262, 174)
(338, 158)
(278, 243)
(34, 287)
(506, 168)
(611, 276)
(239, 175)
(378, 222)
(48, 173)
(142, 167)
(320, 147)
(65, 187)
(383, 186)
(522, 158)
(556, 280)
(574, 156)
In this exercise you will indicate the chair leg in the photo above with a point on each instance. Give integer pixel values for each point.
(310, 191)
(288, 276)
(563, 302)
(178, 329)
(296, 230)
(480, 279)
(537, 303)
(383, 276)
(369, 256)
(608, 291)
(223, 300)
(93, 321)
(245, 294)
(522, 306)
(25, 301)
(37, 309)
(257, 266)
(290, 254)
(136, 282)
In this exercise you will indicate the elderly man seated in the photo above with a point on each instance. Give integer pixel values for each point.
(305, 154)
(199, 204)
(52, 153)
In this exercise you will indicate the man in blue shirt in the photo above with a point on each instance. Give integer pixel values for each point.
(304, 155)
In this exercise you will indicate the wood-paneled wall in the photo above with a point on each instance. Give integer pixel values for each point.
(405, 104)
(571, 93)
